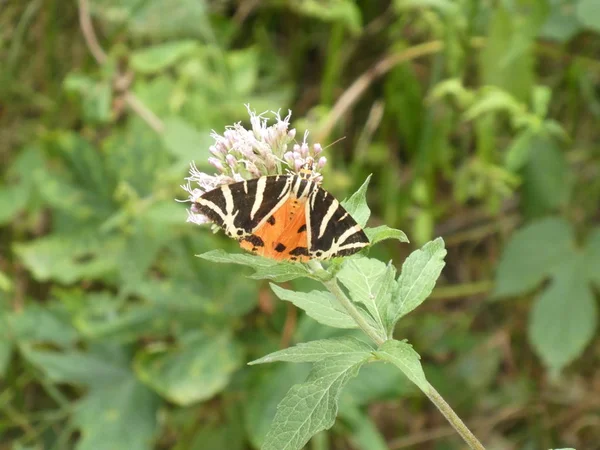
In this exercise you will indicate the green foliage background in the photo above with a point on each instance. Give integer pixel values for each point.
(479, 121)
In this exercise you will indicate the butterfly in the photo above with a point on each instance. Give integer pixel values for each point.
(283, 217)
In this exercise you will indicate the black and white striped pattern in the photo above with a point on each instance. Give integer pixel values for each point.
(331, 230)
(241, 208)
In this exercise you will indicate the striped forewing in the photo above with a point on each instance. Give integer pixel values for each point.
(331, 229)
(240, 208)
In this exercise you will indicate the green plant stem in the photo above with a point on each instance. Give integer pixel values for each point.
(453, 418)
(332, 286)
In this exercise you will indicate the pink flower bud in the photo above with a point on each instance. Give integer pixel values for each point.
(250, 167)
(231, 160)
(217, 164)
(304, 149)
(321, 163)
(317, 149)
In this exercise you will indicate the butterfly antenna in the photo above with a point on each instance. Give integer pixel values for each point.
(335, 142)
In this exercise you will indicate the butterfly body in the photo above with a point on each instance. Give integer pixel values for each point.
(284, 217)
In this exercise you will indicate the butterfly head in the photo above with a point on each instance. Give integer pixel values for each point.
(308, 171)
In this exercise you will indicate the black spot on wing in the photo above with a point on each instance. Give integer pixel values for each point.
(271, 220)
(302, 228)
(280, 247)
(299, 251)
(336, 226)
(255, 240)
(243, 202)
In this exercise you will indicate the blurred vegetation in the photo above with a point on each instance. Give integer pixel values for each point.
(480, 123)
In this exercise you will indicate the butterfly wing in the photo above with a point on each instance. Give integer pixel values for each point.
(240, 208)
(283, 236)
(261, 214)
(331, 229)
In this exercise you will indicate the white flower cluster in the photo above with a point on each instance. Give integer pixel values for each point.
(240, 154)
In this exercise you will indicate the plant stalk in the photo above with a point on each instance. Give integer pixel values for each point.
(453, 418)
(332, 286)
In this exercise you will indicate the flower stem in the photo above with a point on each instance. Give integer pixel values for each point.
(453, 418)
(330, 282)
(332, 286)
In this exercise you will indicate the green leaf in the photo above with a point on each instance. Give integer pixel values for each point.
(243, 69)
(357, 206)
(384, 232)
(156, 19)
(344, 12)
(6, 284)
(96, 97)
(219, 431)
(142, 246)
(546, 184)
(403, 356)
(531, 255)
(195, 370)
(183, 140)
(264, 268)
(364, 432)
(561, 24)
(384, 294)
(281, 272)
(75, 367)
(588, 13)
(6, 350)
(6, 345)
(120, 416)
(13, 199)
(269, 384)
(592, 250)
(541, 100)
(517, 153)
(35, 323)
(317, 350)
(79, 185)
(491, 100)
(15, 195)
(103, 316)
(160, 57)
(102, 319)
(564, 317)
(447, 7)
(507, 59)
(369, 284)
(419, 274)
(312, 406)
(321, 306)
(118, 412)
(70, 258)
(377, 382)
